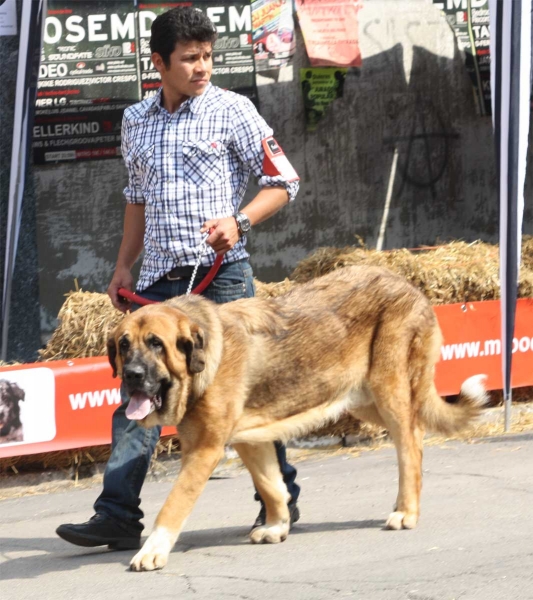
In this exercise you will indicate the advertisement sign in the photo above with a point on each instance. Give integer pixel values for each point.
(96, 62)
(320, 86)
(88, 75)
(472, 344)
(470, 21)
(273, 33)
(331, 31)
(69, 404)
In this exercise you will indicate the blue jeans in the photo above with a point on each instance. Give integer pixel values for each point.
(132, 446)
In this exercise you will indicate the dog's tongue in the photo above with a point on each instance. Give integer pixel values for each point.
(138, 406)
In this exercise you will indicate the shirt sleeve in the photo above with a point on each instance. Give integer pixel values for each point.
(250, 129)
(133, 191)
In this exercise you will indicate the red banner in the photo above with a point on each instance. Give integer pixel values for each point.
(63, 404)
(68, 404)
(472, 344)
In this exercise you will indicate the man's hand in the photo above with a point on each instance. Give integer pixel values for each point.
(224, 236)
(121, 279)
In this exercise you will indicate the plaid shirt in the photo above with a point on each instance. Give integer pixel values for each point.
(188, 167)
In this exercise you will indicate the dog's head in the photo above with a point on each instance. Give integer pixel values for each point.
(156, 351)
(10, 396)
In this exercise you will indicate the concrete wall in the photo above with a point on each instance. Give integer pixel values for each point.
(411, 98)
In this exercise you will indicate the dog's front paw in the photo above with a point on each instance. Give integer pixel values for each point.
(401, 520)
(154, 553)
(270, 534)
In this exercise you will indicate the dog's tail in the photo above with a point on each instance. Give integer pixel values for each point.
(448, 418)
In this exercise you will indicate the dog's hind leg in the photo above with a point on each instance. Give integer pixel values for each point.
(198, 464)
(394, 406)
(261, 461)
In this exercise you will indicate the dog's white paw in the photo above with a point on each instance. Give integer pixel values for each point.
(155, 551)
(270, 534)
(401, 520)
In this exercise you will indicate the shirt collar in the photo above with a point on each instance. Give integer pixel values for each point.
(196, 104)
(154, 103)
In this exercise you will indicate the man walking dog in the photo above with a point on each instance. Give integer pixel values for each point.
(189, 151)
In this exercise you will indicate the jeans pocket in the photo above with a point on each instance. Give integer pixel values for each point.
(234, 283)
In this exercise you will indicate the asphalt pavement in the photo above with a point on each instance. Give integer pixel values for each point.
(473, 541)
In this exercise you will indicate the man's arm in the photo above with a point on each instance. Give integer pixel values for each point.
(130, 249)
(249, 131)
(226, 234)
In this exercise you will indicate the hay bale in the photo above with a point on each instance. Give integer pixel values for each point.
(272, 290)
(85, 321)
(455, 272)
(527, 252)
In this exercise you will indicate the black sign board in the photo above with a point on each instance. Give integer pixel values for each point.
(96, 61)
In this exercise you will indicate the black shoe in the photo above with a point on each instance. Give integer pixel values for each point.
(294, 513)
(100, 530)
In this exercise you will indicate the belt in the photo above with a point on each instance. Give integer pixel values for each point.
(185, 272)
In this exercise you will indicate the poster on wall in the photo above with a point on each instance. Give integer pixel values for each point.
(320, 86)
(469, 20)
(233, 60)
(331, 31)
(96, 62)
(273, 33)
(8, 17)
(88, 75)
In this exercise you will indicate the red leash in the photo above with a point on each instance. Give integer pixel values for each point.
(132, 297)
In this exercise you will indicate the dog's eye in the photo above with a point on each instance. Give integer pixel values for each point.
(124, 345)
(155, 343)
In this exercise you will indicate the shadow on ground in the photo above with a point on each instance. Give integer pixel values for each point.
(47, 555)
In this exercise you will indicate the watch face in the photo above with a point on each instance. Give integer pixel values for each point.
(244, 223)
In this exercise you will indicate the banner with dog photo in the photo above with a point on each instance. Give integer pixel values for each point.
(70, 403)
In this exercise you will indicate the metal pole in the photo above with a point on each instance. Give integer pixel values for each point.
(507, 410)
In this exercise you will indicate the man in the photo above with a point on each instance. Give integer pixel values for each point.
(189, 151)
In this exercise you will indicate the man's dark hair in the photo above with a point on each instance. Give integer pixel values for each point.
(180, 24)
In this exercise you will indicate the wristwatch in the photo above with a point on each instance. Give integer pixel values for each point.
(243, 223)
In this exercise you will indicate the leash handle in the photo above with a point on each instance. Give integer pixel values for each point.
(132, 297)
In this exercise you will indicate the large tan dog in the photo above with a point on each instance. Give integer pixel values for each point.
(360, 340)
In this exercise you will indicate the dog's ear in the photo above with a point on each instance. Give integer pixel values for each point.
(17, 391)
(112, 354)
(194, 349)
